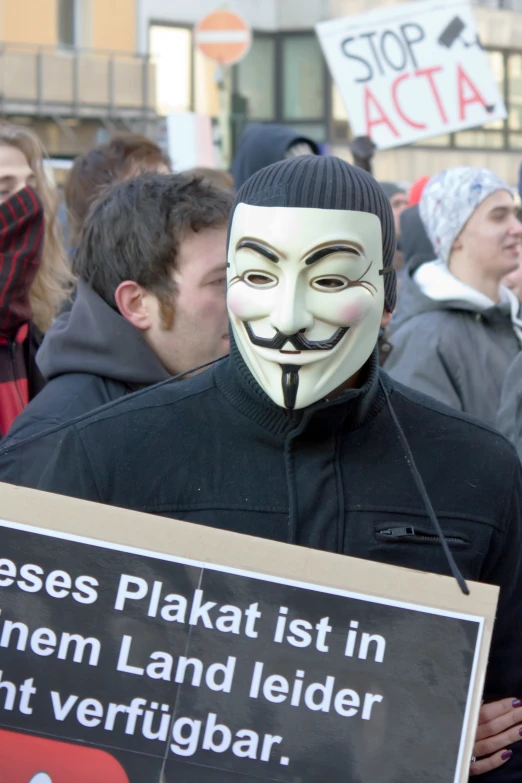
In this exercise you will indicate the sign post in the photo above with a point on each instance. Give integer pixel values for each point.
(225, 37)
(138, 648)
(410, 72)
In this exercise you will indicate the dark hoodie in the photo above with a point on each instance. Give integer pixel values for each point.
(261, 145)
(90, 356)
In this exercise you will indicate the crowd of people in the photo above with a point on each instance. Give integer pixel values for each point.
(177, 357)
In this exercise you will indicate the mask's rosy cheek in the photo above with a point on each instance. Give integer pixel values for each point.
(352, 313)
(246, 303)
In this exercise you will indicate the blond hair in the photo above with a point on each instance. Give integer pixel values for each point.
(54, 281)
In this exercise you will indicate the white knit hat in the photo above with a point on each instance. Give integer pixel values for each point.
(450, 199)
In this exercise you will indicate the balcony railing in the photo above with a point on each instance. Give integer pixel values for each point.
(52, 81)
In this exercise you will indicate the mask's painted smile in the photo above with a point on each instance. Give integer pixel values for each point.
(298, 340)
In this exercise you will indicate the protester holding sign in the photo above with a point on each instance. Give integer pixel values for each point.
(305, 439)
(458, 329)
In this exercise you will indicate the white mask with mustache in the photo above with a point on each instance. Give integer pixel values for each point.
(305, 297)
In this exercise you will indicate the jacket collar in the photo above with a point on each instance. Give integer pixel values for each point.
(348, 411)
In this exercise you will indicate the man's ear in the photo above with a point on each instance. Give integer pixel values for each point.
(133, 304)
(386, 319)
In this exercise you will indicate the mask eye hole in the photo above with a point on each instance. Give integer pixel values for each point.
(260, 279)
(329, 283)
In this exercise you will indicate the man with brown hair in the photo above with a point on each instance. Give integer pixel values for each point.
(123, 157)
(151, 267)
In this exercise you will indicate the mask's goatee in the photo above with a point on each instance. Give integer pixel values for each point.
(290, 383)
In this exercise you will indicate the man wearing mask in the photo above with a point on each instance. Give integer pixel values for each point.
(298, 436)
(458, 328)
(21, 244)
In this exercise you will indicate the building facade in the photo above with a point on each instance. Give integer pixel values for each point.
(77, 70)
(284, 78)
(70, 70)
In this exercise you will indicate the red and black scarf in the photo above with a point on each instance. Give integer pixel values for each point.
(21, 242)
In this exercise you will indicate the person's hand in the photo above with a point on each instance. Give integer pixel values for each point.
(499, 726)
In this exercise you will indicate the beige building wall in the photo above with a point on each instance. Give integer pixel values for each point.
(103, 24)
(409, 163)
(113, 25)
(28, 21)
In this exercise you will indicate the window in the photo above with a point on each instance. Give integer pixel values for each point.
(303, 78)
(171, 50)
(498, 69)
(283, 80)
(434, 141)
(515, 141)
(338, 107)
(515, 92)
(479, 138)
(206, 90)
(256, 78)
(66, 11)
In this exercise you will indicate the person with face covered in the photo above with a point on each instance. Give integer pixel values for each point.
(299, 437)
(34, 280)
(21, 243)
(21, 166)
(458, 328)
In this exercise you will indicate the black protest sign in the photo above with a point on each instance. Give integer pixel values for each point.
(132, 666)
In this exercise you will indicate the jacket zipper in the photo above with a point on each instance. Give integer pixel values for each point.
(410, 532)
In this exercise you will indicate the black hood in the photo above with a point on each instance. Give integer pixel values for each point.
(261, 145)
(317, 182)
(95, 339)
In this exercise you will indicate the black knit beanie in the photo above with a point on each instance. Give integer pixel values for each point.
(325, 183)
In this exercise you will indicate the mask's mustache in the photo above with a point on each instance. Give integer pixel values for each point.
(298, 340)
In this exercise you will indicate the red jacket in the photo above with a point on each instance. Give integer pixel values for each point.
(21, 242)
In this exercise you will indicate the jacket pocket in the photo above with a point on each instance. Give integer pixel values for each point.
(393, 533)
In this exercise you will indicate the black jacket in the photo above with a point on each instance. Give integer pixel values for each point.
(415, 244)
(509, 419)
(214, 450)
(90, 356)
